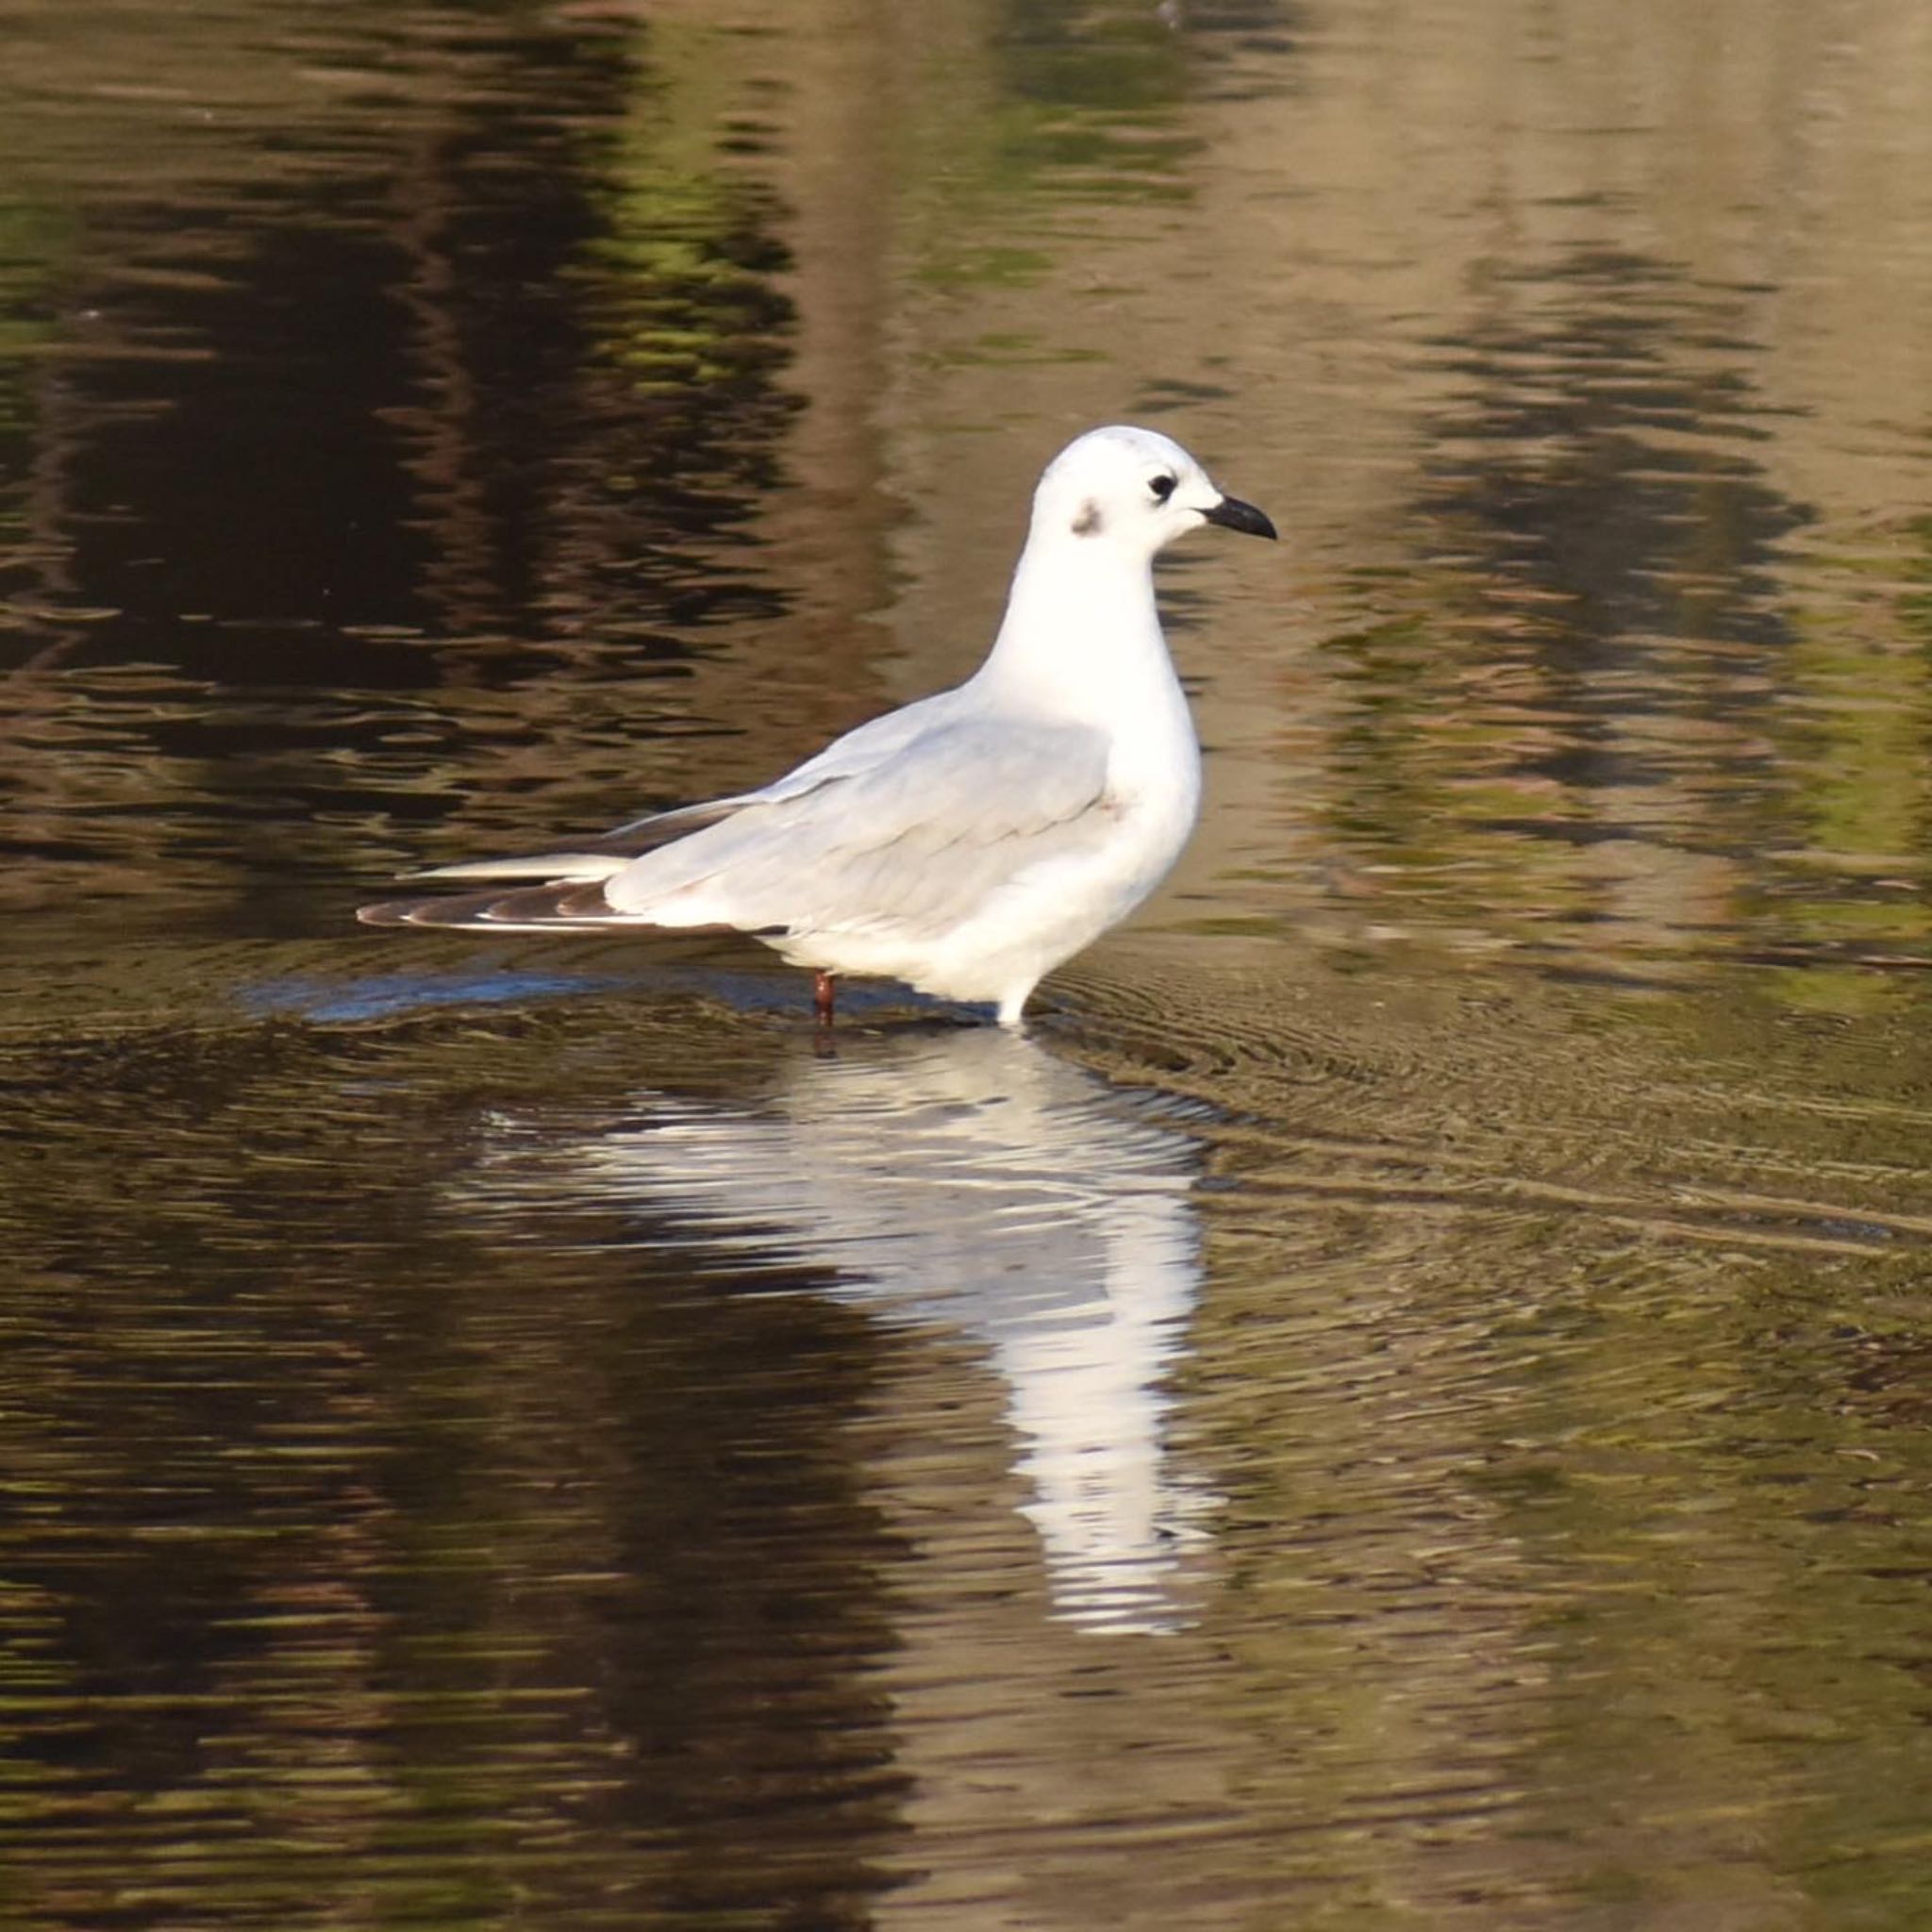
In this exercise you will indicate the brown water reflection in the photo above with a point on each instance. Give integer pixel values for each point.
(1400, 1405)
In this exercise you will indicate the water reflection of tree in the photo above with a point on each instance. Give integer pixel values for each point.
(391, 1568)
(467, 399)
(1582, 719)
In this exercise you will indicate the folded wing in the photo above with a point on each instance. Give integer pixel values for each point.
(906, 830)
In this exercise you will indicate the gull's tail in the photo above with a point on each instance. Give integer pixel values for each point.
(568, 885)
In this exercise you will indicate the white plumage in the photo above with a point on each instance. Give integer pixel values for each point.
(971, 841)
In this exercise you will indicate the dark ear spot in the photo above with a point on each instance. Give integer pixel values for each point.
(1090, 522)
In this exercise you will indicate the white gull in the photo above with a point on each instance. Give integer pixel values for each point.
(971, 841)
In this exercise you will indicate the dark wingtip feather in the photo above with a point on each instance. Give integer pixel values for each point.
(564, 902)
(390, 912)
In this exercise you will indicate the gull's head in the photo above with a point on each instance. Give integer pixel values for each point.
(1133, 490)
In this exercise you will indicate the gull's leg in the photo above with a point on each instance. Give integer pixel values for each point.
(822, 986)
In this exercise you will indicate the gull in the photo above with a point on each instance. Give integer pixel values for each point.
(970, 841)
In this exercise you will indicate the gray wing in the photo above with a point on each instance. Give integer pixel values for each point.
(908, 822)
(916, 839)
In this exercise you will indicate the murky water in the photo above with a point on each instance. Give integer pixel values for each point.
(1402, 1403)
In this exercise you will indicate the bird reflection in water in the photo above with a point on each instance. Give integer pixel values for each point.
(969, 1178)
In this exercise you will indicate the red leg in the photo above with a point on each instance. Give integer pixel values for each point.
(822, 986)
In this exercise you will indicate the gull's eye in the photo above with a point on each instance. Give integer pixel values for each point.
(1162, 488)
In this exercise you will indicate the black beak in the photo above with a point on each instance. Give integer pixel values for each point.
(1231, 513)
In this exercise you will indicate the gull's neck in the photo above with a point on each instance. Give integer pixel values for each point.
(1081, 635)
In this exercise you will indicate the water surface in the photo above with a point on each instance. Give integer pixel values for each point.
(1398, 1404)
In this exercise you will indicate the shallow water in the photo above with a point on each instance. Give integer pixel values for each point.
(1400, 1403)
